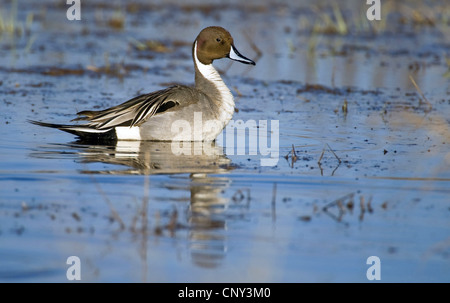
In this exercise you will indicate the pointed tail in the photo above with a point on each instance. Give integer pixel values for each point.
(83, 131)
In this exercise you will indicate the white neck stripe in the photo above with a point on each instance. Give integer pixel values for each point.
(207, 70)
(210, 73)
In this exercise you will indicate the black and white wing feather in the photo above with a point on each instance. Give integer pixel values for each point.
(131, 113)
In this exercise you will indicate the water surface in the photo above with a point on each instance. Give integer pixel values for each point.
(370, 175)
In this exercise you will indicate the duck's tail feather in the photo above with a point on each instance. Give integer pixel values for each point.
(83, 131)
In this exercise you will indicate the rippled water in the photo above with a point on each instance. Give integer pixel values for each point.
(369, 180)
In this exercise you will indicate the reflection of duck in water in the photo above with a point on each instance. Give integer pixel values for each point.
(152, 157)
(207, 240)
(205, 219)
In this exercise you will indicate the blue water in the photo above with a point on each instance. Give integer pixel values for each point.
(134, 212)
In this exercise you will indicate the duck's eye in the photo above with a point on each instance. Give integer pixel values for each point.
(218, 39)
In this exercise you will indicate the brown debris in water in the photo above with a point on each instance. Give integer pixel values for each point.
(151, 45)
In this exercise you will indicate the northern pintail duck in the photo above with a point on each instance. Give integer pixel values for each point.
(177, 113)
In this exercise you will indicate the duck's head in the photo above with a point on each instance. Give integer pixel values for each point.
(215, 42)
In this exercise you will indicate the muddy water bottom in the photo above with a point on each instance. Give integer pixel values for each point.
(362, 168)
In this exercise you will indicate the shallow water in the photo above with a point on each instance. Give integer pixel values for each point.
(371, 180)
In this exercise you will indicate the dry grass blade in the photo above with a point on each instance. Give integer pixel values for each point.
(321, 156)
(419, 91)
(253, 45)
(114, 213)
(274, 199)
(340, 205)
(339, 159)
(332, 151)
(341, 25)
(294, 155)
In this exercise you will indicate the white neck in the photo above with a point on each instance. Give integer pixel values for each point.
(226, 98)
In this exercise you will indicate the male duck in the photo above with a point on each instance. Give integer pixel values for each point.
(177, 113)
